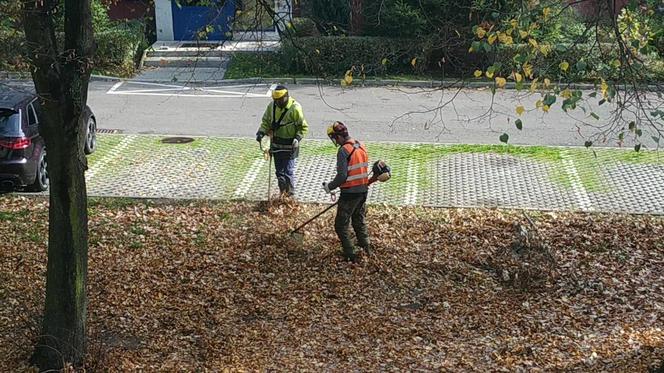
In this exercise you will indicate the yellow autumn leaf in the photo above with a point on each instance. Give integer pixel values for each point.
(477, 73)
(523, 34)
(547, 82)
(564, 66)
(489, 74)
(509, 40)
(413, 62)
(546, 12)
(480, 32)
(343, 83)
(533, 42)
(604, 87)
(518, 77)
(528, 70)
(384, 61)
(514, 23)
(501, 37)
(566, 93)
(500, 82)
(520, 109)
(546, 108)
(492, 38)
(545, 49)
(534, 85)
(616, 63)
(539, 103)
(348, 79)
(317, 51)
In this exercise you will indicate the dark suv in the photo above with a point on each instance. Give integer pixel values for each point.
(22, 149)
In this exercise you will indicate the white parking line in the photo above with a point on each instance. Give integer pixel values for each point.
(184, 91)
(112, 154)
(411, 187)
(115, 86)
(580, 193)
(249, 178)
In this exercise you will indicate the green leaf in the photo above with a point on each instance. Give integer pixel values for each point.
(632, 126)
(519, 124)
(639, 132)
(621, 136)
(592, 95)
(486, 46)
(601, 102)
(504, 138)
(588, 143)
(655, 139)
(594, 116)
(637, 147)
(581, 66)
(549, 100)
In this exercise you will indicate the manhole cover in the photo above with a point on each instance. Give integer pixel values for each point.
(176, 140)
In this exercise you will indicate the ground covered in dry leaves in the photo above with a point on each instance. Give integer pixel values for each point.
(196, 286)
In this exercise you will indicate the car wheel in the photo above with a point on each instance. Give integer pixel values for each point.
(41, 179)
(90, 135)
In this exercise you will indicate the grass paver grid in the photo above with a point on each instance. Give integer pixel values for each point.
(423, 174)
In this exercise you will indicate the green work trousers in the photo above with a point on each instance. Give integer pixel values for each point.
(352, 208)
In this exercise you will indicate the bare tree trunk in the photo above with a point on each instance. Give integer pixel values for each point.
(61, 80)
(356, 17)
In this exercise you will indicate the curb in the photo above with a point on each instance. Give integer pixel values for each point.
(433, 84)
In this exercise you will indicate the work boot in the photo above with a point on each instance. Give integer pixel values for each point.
(351, 255)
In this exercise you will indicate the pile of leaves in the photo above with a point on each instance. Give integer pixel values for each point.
(212, 286)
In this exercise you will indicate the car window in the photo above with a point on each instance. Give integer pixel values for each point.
(32, 116)
(10, 123)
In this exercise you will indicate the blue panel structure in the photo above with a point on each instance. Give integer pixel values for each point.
(191, 19)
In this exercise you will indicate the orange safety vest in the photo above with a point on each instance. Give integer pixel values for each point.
(358, 165)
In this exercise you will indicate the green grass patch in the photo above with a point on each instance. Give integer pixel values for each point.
(13, 216)
(105, 143)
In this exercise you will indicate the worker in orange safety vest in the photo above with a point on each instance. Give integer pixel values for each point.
(353, 179)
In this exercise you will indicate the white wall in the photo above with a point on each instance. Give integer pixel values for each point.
(164, 20)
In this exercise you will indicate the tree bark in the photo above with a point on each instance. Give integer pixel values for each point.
(61, 80)
(356, 17)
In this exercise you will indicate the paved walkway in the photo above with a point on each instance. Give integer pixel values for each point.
(444, 176)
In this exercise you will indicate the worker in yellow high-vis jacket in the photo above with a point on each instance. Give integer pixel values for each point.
(284, 121)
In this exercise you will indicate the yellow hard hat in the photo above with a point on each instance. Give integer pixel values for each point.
(337, 128)
(330, 130)
(279, 92)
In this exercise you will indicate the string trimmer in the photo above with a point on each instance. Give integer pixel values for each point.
(382, 172)
(267, 155)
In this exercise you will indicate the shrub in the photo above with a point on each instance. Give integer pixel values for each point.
(328, 56)
(120, 48)
(303, 27)
(330, 15)
(12, 50)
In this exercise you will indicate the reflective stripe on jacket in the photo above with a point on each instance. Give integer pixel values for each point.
(358, 165)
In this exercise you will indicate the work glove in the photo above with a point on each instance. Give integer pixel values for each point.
(296, 143)
(326, 188)
(259, 136)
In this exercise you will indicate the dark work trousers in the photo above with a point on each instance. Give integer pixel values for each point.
(284, 168)
(352, 207)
